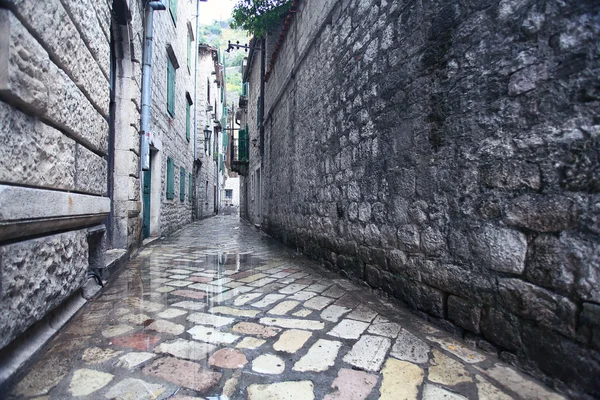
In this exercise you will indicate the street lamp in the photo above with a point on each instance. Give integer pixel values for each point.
(207, 133)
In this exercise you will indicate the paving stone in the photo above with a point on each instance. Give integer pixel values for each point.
(348, 329)
(234, 284)
(238, 312)
(291, 323)
(526, 388)
(318, 302)
(220, 281)
(178, 271)
(297, 390)
(303, 312)
(280, 275)
(183, 373)
(186, 349)
(368, 352)
(362, 313)
(347, 301)
(252, 278)
(302, 296)
(487, 391)
(250, 343)
(458, 349)
(230, 294)
(87, 381)
(293, 288)
(250, 328)
(291, 340)
(178, 277)
(169, 327)
(192, 294)
(284, 307)
(131, 388)
(138, 341)
(178, 283)
(319, 357)
(199, 279)
(245, 298)
(210, 335)
(268, 364)
(261, 282)
(165, 289)
(384, 327)
(44, 375)
(206, 287)
(433, 392)
(209, 319)
(190, 305)
(408, 347)
(268, 300)
(228, 358)
(401, 380)
(96, 355)
(447, 371)
(137, 319)
(352, 385)
(335, 292)
(231, 385)
(116, 330)
(153, 281)
(333, 313)
(144, 305)
(171, 313)
(133, 359)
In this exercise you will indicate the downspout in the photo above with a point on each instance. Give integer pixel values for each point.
(146, 75)
(196, 80)
(261, 100)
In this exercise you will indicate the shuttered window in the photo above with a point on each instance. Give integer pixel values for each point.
(181, 184)
(173, 9)
(187, 120)
(191, 190)
(189, 51)
(170, 87)
(170, 179)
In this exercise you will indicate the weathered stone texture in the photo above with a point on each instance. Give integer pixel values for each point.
(90, 172)
(37, 275)
(446, 152)
(34, 153)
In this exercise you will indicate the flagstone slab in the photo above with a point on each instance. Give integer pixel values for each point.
(179, 283)
(165, 289)
(131, 388)
(292, 323)
(268, 300)
(433, 392)
(183, 373)
(303, 312)
(253, 329)
(237, 312)
(185, 349)
(458, 349)
(192, 294)
(408, 347)
(352, 385)
(116, 330)
(171, 313)
(250, 343)
(284, 307)
(334, 312)
(447, 371)
(133, 359)
(292, 390)
(525, 387)
(268, 364)
(210, 335)
(190, 305)
(252, 278)
(348, 329)
(87, 381)
(362, 313)
(168, 327)
(401, 380)
(384, 327)
(139, 341)
(245, 298)
(291, 340)
(319, 357)
(368, 352)
(261, 282)
(293, 288)
(228, 358)
(487, 391)
(318, 302)
(209, 319)
(44, 376)
(199, 279)
(96, 355)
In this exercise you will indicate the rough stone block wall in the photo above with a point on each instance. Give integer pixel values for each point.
(447, 152)
(168, 130)
(54, 98)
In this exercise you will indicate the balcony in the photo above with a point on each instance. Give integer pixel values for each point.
(240, 157)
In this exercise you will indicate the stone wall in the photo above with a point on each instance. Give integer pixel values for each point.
(446, 152)
(54, 136)
(169, 133)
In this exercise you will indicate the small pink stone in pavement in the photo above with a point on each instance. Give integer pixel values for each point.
(228, 358)
(192, 294)
(138, 341)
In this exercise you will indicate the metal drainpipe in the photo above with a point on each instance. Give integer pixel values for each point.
(261, 100)
(146, 81)
(196, 80)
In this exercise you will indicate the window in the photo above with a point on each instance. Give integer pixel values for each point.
(170, 87)
(170, 179)
(187, 119)
(173, 9)
(191, 190)
(181, 184)
(229, 194)
(189, 51)
(208, 90)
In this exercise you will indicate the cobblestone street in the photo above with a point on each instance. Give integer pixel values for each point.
(221, 311)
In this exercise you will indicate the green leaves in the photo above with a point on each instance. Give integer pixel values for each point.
(259, 16)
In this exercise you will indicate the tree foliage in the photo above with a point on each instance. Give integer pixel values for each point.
(259, 16)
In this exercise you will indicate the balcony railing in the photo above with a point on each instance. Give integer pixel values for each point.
(240, 153)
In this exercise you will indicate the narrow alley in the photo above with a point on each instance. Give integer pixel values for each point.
(220, 310)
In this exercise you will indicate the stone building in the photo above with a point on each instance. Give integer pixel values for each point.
(73, 198)
(212, 118)
(447, 154)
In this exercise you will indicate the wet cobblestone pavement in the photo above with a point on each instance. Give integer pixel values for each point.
(221, 311)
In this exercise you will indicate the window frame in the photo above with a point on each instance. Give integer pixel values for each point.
(171, 83)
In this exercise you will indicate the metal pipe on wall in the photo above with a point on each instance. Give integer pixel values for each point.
(146, 82)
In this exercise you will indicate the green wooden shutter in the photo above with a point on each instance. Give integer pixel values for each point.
(173, 9)
(170, 88)
(187, 120)
(191, 190)
(181, 184)
(170, 179)
(189, 51)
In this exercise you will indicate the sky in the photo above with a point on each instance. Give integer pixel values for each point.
(215, 10)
